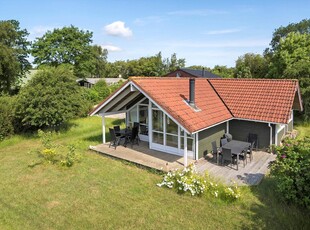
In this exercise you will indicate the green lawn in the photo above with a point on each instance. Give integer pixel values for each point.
(104, 193)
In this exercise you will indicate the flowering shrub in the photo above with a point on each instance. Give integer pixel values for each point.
(189, 181)
(291, 171)
(52, 153)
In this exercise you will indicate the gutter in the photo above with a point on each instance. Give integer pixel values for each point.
(270, 126)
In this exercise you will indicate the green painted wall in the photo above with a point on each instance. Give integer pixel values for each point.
(240, 130)
(280, 135)
(206, 137)
(290, 126)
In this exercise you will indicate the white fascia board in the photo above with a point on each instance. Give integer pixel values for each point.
(212, 126)
(243, 119)
(111, 98)
(145, 94)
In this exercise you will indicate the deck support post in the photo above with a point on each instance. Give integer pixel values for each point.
(103, 130)
(185, 149)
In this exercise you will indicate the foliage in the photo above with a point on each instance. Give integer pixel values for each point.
(68, 45)
(50, 98)
(52, 153)
(251, 65)
(13, 55)
(189, 181)
(101, 91)
(291, 59)
(223, 71)
(291, 171)
(302, 27)
(6, 116)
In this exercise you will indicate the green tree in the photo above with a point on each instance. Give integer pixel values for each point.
(68, 45)
(303, 27)
(50, 98)
(6, 116)
(14, 50)
(291, 59)
(251, 66)
(223, 71)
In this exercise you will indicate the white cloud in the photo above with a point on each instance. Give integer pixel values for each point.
(118, 29)
(111, 48)
(198, 12)
(228, 31)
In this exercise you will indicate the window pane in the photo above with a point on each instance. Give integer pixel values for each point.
(190, 145)
(172, 140)
(143, 114)
(133, 115)
(157, 119)
(171, 126)
(158, 138)
(146, 101)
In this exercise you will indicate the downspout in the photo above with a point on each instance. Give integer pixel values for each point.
(270, 126)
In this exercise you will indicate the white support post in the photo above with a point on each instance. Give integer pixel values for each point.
(196, 146)
(185, 149)
(150, 114)
(103, 130)
(227, 127)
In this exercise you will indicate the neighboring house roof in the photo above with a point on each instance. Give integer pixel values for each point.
(185, 72)
(93, 81)
(217, 100)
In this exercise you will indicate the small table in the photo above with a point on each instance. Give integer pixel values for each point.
(237, 147)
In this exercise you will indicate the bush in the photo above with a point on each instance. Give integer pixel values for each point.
(50, 98)
(291, 171)
(6, 116)
(54, 154)
(189, 181)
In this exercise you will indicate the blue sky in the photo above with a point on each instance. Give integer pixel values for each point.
(203, 32)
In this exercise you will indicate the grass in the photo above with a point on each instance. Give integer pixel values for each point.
(303, 128)
(104, 193)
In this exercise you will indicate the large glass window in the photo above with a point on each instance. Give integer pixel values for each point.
(171, 126)
(157, 120)
(143, 114)
(172, 140)
(190, 142)
(158, 138)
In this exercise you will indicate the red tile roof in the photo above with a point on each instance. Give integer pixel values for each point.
(171, 93)
(219, 100)
(258, 99)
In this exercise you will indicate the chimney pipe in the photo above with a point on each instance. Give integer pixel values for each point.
(203, 72)
(192, 92)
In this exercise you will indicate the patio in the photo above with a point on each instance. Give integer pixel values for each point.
(251, 174)
(142, 155)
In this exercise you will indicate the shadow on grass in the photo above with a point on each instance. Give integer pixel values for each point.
(271, 212)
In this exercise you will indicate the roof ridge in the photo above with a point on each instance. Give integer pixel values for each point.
(252, 79)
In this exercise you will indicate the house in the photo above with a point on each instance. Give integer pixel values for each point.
(194, 73)
(90, 82)
(185, 115)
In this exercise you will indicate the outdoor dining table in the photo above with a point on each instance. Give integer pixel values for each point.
(237, 147)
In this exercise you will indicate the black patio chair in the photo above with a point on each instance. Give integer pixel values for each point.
(224, 141)
(133, 138)
(228, 156)
(252, 137)
(250, 151)
(216, 151)
(114, 139)
(137, 125)
(117, 130)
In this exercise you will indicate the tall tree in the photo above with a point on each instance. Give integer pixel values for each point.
(251, 66)
(291, 59)
(14, 51)
(223, 71)
(67, 45)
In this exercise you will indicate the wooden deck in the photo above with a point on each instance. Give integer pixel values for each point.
(251, 174)
(141, 154)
